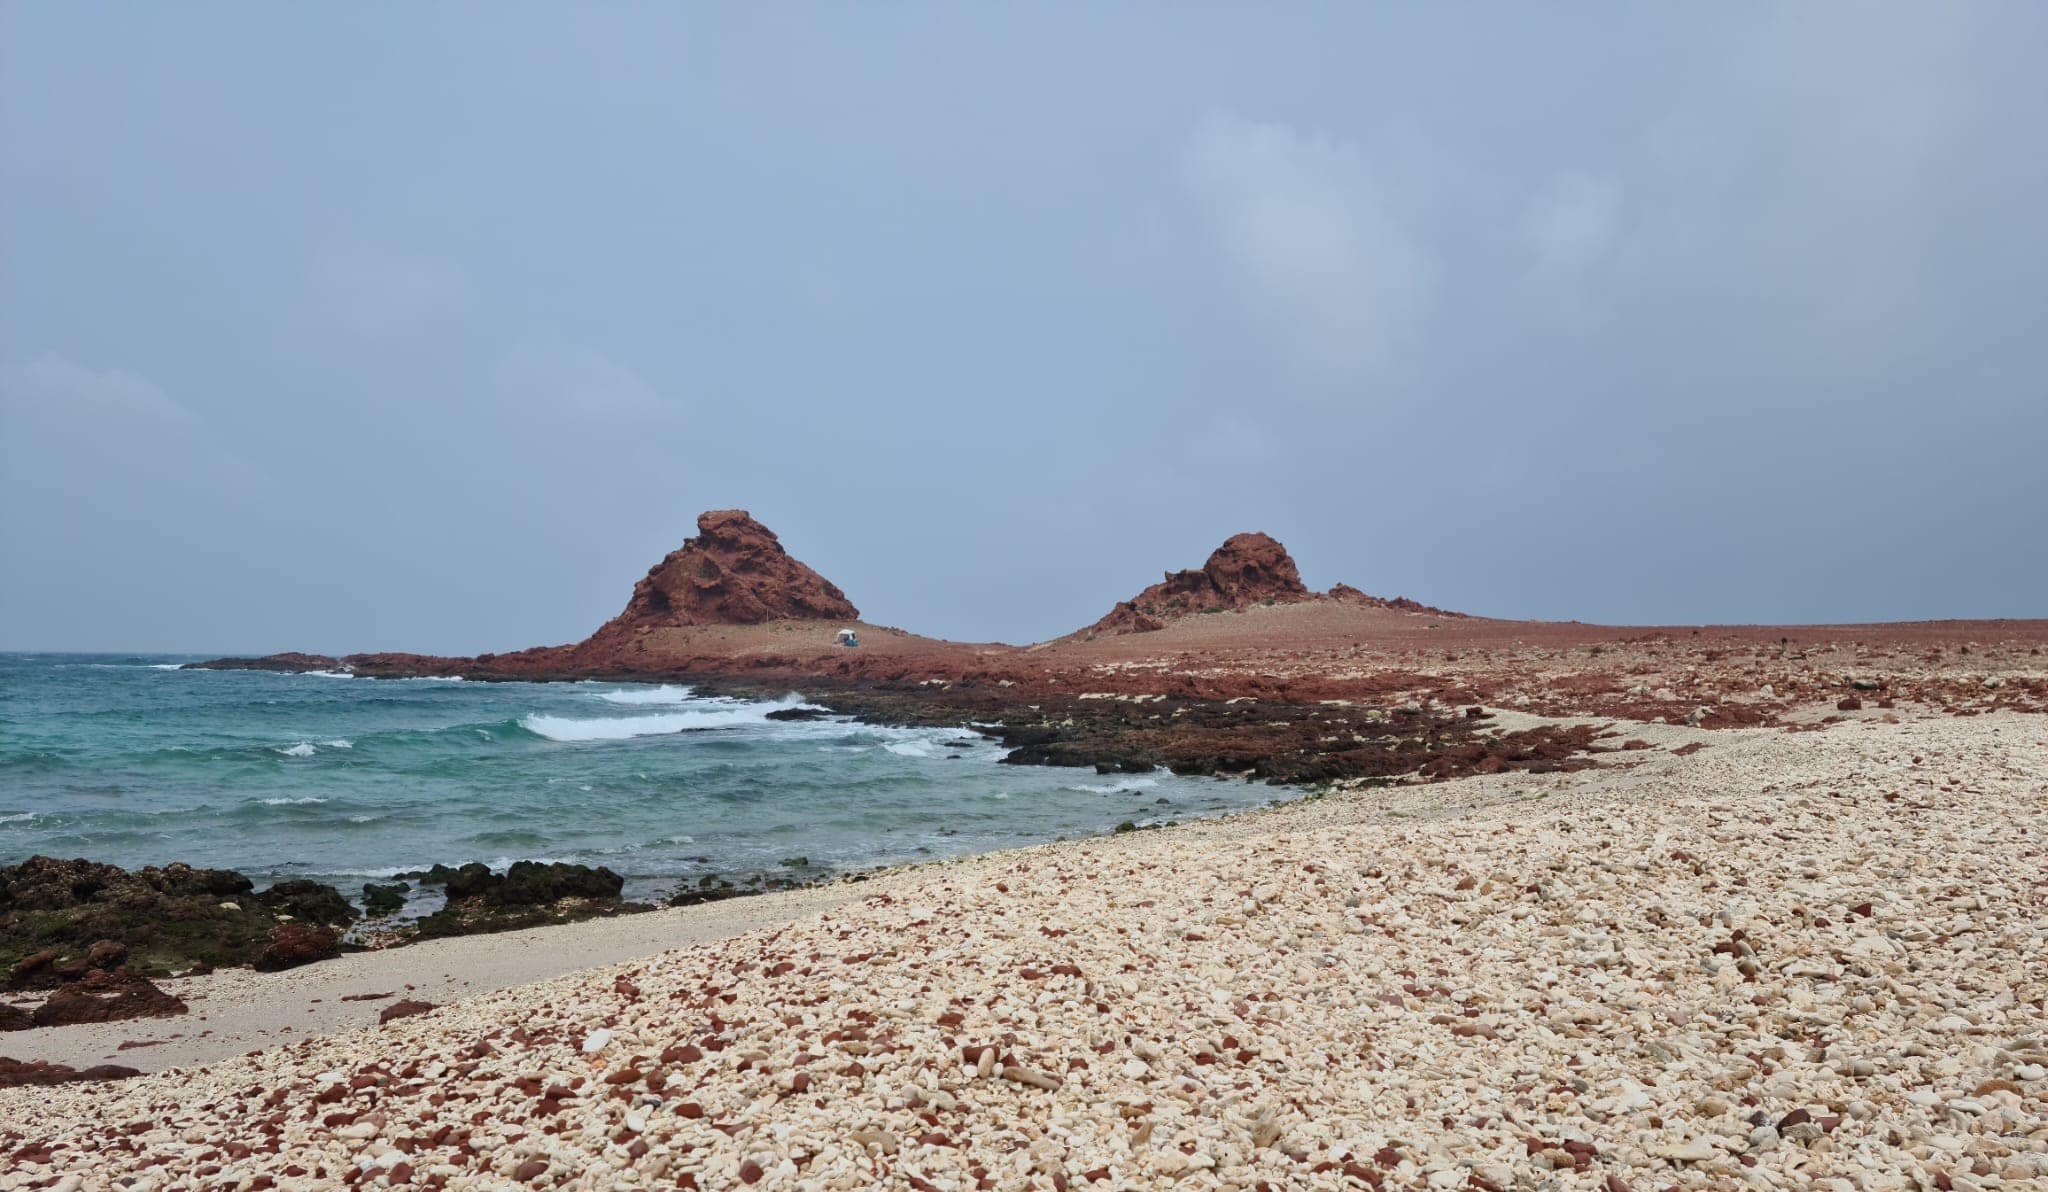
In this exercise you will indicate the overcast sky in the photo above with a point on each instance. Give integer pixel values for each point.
(365, 326)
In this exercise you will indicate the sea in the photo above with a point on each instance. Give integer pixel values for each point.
(131, 760)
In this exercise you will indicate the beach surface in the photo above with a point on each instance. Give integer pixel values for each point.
(1742, 958)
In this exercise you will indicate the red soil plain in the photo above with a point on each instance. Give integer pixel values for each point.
(1237, 667)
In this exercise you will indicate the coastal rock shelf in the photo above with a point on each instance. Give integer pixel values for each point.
(1783, 960)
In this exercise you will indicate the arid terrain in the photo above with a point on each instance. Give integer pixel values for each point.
(1568, 907)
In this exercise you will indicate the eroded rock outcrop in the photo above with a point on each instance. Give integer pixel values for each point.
(734, 572)
(1247, 569)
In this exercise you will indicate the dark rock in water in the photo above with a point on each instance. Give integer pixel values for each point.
(529, 894)
(302, 899)
(799, 714)
(384, 900)
(404, 1008)
(530, 883)
(290, 663)
(13, 1018)
(15, 1073)
(106, 997)
(470, 881)
(714, 888)
(437, 876)
(167, 919)
(293, 944)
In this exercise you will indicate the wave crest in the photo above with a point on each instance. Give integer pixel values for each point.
(621, 728)
(645, 695)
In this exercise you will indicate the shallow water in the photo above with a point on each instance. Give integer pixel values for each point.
(129, 760)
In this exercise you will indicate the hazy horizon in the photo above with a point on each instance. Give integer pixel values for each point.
(379, 327)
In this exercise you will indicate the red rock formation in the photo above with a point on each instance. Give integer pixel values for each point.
(734, 572)
(1247, 569)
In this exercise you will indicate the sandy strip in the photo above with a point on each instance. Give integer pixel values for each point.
(1789, 960)
(235, 1011)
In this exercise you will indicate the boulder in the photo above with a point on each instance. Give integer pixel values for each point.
(379, 901)
(311, 901)
(529, 894)
(296, 943)
(531, 883)
(106, 997)
(14, 1018)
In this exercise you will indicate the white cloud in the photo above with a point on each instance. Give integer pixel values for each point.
(1317, 238)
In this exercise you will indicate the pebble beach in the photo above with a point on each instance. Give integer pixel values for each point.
(1785, 959)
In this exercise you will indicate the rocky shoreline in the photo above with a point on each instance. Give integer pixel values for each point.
(1731, 959)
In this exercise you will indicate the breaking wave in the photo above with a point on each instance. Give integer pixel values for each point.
(621, 728)
(644, 695)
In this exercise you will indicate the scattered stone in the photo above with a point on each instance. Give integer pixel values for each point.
(1465, 985)
(404, 1008)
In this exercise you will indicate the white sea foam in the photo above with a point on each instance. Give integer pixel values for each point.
(339, 743)
(166, 666)
(329, 674)
(909, 748)
(1125, 787)
(646, 695)
(19, 817)
(302, 749)
(288, 802)
(620, 728)
(364, 819)
(433, 679)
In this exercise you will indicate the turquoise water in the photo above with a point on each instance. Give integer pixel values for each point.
(129, 760)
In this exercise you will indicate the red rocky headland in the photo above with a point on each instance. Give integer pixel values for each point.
(1238, 667)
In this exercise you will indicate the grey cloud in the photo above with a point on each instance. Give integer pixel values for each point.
(993, 312)
(1318, 239)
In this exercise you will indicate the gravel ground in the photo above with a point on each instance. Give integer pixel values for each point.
(1786, 960)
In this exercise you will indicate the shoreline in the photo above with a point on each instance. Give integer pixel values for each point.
(325, 997)
(1492, 978)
